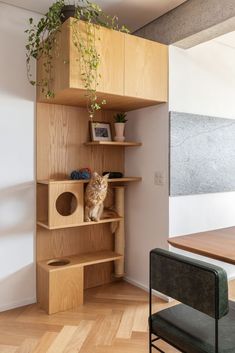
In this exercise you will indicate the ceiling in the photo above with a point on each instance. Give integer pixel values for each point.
(133, 13)
(227, 40)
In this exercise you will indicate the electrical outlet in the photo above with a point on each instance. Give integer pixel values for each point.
(159, 178)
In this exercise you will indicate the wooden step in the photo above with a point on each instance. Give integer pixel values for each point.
(44, 224)
(82, 260)
(113, 143)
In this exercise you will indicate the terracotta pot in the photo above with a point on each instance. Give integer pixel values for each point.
(119, 130)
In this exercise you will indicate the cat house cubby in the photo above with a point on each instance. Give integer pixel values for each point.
(61, 203)
(73, 255)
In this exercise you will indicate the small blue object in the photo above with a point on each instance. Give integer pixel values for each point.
(81, 174)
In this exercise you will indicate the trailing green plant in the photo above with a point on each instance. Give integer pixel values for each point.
(120, 118)
(42, 42)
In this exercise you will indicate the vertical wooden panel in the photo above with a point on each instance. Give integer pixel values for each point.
(62, 131)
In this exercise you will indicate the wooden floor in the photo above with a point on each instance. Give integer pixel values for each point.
(112, 320)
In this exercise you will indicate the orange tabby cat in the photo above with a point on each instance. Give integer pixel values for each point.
(95, 195)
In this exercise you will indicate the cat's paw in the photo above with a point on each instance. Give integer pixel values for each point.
(87, 219)
(95, 219)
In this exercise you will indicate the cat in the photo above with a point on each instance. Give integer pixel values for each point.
(95, 195)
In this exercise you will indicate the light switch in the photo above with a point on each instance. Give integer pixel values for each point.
(159, 178)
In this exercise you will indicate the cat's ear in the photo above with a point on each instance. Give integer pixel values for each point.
(94, 175)
(106, 176)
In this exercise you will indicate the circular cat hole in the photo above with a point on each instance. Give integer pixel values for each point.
(58, 262)
(66, 204)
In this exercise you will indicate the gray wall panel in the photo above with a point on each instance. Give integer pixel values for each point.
(202, 154)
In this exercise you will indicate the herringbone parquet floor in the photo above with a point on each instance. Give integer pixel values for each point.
(112, 320)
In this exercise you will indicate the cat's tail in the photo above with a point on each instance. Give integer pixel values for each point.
(110, 212)
(114, 227)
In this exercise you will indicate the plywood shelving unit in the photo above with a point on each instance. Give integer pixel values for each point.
(94, 254)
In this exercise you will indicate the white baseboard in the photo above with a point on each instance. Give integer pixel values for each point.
(146, 289)
(17, 304)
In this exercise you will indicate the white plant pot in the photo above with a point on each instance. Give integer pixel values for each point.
(119, 131)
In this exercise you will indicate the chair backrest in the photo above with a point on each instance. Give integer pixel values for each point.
(198, 284)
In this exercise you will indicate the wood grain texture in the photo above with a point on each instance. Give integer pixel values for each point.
(120, 231)
(80, 260)
(60, 64)
(231, 289)
(61, 134)
(76, 97)
(45, 342)
(61, 288)
(73, 241)
(55, 191)
(146, 69)
(116, 180)
(133, 70)
(114, 218)
(110, 46)
(113, 143)
(91, 328)
(217, 244)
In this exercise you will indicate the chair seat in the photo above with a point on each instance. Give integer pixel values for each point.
(194, 332)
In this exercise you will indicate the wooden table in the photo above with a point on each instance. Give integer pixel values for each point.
(217, 244)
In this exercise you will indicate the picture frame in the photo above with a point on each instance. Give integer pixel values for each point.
(100, 131)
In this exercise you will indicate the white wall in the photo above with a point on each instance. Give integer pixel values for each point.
(146, 203)
(202, 81)
(17, 187)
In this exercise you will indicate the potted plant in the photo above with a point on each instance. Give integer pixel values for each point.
(42, 42)
(120, 121)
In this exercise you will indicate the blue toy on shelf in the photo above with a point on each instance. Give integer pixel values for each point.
(81, 174)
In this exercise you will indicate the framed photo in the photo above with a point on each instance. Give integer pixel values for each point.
(100, 131)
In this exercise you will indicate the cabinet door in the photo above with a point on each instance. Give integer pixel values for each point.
(146, 69)
(110, 46)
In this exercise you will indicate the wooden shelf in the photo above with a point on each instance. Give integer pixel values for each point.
(78, 98)
(44, 224)
(82, 260)
(113, 143)
(116, 180)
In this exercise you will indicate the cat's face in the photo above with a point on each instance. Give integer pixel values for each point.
(99, 183)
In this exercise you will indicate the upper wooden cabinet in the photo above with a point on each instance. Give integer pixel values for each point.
(146, 69)
(134, 71)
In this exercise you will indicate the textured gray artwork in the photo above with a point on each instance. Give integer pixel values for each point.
(202, 154)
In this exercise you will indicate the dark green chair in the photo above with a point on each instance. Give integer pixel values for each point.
(204, 321)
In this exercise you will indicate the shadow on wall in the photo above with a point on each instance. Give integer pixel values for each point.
(13, 73)
(19, 284)
(17, 211)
